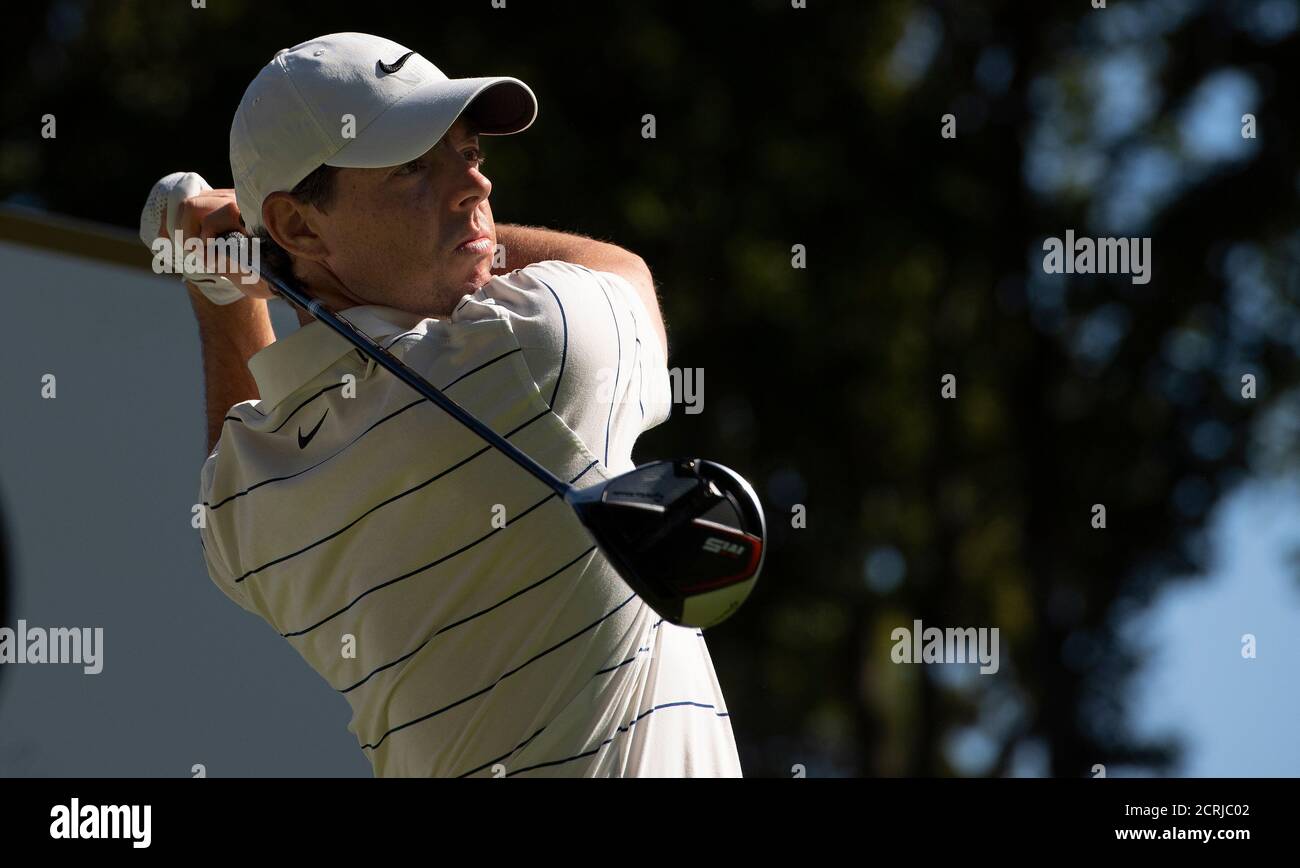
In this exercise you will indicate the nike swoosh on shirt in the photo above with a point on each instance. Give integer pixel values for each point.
(303, 441)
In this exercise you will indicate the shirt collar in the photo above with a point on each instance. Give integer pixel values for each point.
(281, 368)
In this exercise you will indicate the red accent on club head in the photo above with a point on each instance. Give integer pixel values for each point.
(755, 558)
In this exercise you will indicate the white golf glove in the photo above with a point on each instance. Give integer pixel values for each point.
(168, 194)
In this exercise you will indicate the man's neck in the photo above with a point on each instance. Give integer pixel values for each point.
(336, 302)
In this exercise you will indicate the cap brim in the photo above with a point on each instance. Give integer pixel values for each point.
(496, 105)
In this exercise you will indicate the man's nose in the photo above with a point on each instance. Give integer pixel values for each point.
(474, 188)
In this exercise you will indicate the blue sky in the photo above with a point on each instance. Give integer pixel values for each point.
(1237, 717)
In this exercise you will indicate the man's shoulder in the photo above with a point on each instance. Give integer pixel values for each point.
(557, 283)
(555, 271)
(556, 286)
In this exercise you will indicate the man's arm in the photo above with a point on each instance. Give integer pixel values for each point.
(525, 245)
(231, 334)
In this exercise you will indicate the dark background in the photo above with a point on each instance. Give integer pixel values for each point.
(821, 127)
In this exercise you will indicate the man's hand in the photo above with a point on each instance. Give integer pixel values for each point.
(210, 215)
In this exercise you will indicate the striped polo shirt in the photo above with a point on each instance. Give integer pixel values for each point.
(455, 601)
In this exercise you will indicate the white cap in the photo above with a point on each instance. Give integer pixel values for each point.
(292, 117)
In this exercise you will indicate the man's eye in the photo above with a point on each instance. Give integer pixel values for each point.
(411, 168)
(475, 156)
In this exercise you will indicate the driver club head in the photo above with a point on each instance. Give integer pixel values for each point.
(686, 534)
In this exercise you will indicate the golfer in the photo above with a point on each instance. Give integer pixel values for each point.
(459, 607)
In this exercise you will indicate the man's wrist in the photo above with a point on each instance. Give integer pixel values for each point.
(244, 324)
(205, 308)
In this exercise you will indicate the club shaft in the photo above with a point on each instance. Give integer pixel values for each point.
(399, 369)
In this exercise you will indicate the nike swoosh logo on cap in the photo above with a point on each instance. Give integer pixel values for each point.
(303, 441)
(396, 64)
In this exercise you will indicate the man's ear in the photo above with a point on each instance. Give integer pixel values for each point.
(289, 223)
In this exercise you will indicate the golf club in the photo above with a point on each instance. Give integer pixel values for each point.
(686, 534)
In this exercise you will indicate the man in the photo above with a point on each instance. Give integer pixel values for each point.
(461, 609)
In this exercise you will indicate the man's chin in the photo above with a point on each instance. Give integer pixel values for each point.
(482, 272)
(471, 281)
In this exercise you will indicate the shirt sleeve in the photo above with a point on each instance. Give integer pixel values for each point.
(588, 341)
(218, 571)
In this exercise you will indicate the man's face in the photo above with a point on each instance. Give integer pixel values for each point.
(396, 235)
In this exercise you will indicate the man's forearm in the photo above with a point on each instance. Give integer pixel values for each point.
(231, 334)
(524, 245)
